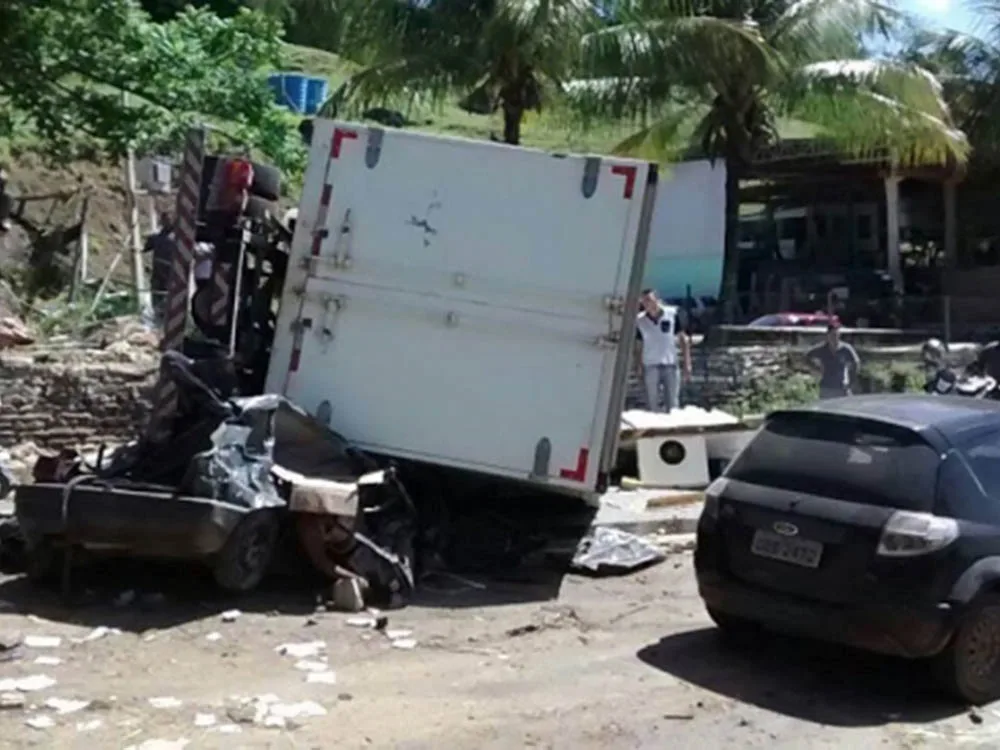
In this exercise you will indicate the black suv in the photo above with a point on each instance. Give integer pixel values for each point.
(872, 521)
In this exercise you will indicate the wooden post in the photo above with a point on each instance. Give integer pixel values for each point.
(81, 248)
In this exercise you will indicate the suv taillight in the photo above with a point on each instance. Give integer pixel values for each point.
(909, 534)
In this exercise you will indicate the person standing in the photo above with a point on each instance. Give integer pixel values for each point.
(664, 349)
(162, 245)
(837, 362)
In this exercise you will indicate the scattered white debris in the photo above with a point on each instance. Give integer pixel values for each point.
(311, 666)
(396, 634)
(213, 637)
(26, 684)
(101, 631)
(204, 720)
(11, 700)
(301, 650)
(267, 711)
(228, 729)
(125, 598)
(231, 615)
(160, 745)
(40, 722)
(405, 643)
(322, 678)
(42, 641)
(361, 622)
(167, 701)
(48, 661)
(89, 726)
(66, 706)
(302, 710)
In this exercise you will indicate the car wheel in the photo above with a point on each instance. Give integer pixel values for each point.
(247, 553)
(970, 666)
(733, 629)
(42, 562)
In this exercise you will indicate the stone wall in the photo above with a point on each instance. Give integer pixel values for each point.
(74, 397)
(720, 374)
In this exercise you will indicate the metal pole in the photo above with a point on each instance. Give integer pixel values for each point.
(178, 290)
(135, 233)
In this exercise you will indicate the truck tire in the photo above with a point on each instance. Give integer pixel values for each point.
(247, 554)
(266, 182)
(969, 666)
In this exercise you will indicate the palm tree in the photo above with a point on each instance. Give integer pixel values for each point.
(737, 66)
(493, 54)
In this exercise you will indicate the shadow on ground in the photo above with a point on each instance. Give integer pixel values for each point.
(139, 595)
(815, 682)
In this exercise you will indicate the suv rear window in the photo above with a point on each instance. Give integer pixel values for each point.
(841, 458)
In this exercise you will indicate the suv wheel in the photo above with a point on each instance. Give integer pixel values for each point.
(970, 666)
(733, 629)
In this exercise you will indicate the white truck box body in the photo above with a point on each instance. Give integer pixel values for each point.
(464, 303)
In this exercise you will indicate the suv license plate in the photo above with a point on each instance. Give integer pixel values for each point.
(795, 551)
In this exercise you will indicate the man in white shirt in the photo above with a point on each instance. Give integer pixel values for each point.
(659, 335)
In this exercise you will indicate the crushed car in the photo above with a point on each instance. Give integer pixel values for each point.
(220, 488)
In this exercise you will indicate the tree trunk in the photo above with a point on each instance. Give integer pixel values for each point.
(729, 294)
(512, 115)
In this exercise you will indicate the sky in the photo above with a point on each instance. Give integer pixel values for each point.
(951, 14)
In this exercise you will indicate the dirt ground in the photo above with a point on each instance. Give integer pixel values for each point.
(547, 661)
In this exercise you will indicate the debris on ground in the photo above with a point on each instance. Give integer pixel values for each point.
(311, 666)
(26, 684)
(165, 702)
(161, 745)
(404, 643)
(40, 722)
(608, 551)
(322, 678)
(66, 706)
(205, 720)
(42, 641)
(213, 637)
(9, 700)
(301, 650)
(89, 726)
(269, 711)
(101, 631)
(48, 661)
(231, 615)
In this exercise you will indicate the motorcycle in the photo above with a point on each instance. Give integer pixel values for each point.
(946, 382)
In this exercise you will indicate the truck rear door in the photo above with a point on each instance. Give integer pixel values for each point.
(465, 303)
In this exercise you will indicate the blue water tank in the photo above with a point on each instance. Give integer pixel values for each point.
(289, 90)
(317, 90)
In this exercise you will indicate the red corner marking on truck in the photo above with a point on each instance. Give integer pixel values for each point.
(339, 136)
(579, 473)
(324, 206)
(629, 174)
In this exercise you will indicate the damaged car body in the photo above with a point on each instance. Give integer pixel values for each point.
(230, 477)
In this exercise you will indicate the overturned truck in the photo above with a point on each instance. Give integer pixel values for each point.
(462, 313)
